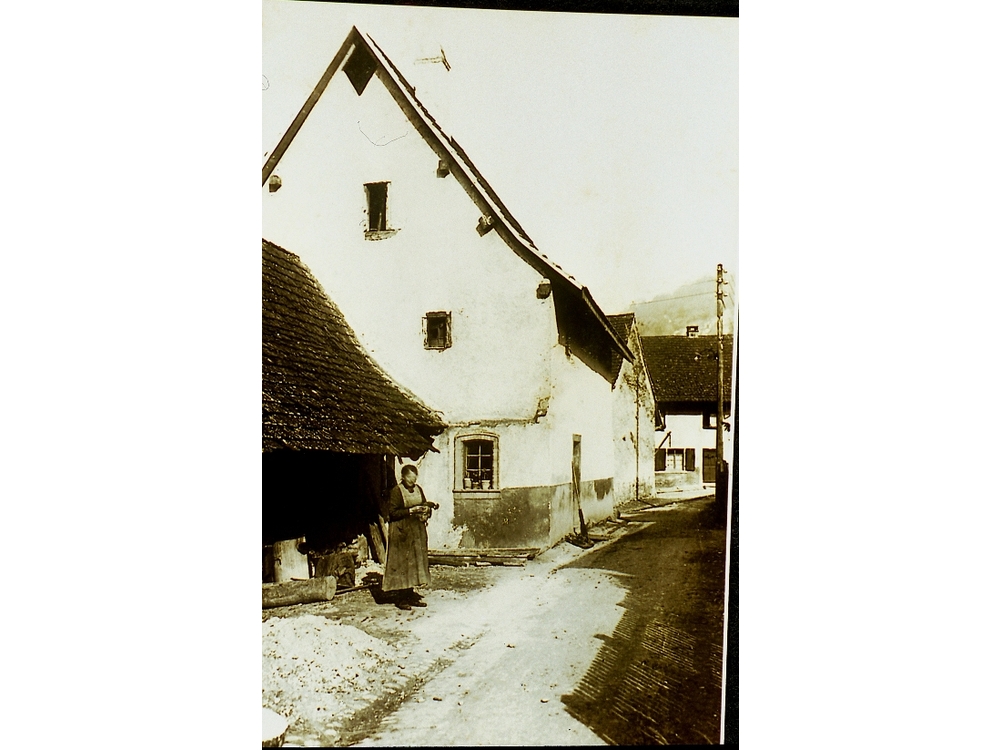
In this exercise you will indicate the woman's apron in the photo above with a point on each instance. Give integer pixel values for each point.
(406, 563)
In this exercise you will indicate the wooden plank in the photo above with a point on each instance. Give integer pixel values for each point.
(338, 60)
(528, 552)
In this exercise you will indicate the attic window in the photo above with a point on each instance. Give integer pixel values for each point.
(377, 200)
(437, 330)
(359, 69)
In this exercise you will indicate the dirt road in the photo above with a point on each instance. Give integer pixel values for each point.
(621, 644)
(658, 678)
(534, 637)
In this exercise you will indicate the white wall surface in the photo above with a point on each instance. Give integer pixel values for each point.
(581, 404)
(633, 377)
(498, 364)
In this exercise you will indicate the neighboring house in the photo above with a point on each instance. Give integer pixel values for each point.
(634, 418)
(331, 419)
(684, 373)
(455, 301)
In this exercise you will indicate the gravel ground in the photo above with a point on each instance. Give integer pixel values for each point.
(335, 669)
(316, 672)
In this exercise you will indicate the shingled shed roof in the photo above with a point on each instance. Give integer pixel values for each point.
(321, 390)
(621, 324)
(683, 369)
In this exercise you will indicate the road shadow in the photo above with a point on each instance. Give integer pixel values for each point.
(657, 680)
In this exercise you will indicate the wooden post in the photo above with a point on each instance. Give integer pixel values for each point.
(377, 542)
(721, 470)
(576, 488)
(289, 563)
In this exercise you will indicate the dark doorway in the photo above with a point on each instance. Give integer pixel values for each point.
(329, 498)
(708, 465)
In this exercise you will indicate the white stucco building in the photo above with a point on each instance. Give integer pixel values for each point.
(685, 379)
(634, 416)
(452, 298)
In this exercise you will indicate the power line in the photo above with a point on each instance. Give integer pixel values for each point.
(688, 296)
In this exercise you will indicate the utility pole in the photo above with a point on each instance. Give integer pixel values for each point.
(637, 387)
(721, 470)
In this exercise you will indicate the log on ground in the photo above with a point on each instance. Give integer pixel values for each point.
(299, 592)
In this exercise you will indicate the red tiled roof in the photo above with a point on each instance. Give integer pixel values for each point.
(684, 369)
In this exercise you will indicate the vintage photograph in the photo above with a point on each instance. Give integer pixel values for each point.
(500, 327)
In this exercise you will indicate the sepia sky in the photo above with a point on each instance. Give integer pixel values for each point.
(612, 139)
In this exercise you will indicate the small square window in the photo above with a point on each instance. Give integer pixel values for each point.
(437, 330)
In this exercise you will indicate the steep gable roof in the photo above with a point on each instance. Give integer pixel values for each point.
(683, 369)
(320, 388)
(583, 326)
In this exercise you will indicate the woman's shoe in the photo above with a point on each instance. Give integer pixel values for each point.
(403, 605)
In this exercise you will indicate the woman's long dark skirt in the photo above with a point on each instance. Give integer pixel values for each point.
(406, 563)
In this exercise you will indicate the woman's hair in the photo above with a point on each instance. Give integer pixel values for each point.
(409, 469)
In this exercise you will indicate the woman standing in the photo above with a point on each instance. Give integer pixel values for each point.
(406, 563)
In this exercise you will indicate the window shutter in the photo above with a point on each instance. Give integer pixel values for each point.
(423, 330)
(689, 459)
(661, 460)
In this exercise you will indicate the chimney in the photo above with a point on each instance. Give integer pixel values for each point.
(692, 332)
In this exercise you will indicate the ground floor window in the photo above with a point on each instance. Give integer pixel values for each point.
(674, 459)
(477, 463)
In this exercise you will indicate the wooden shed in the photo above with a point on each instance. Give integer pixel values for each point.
(332, 420)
